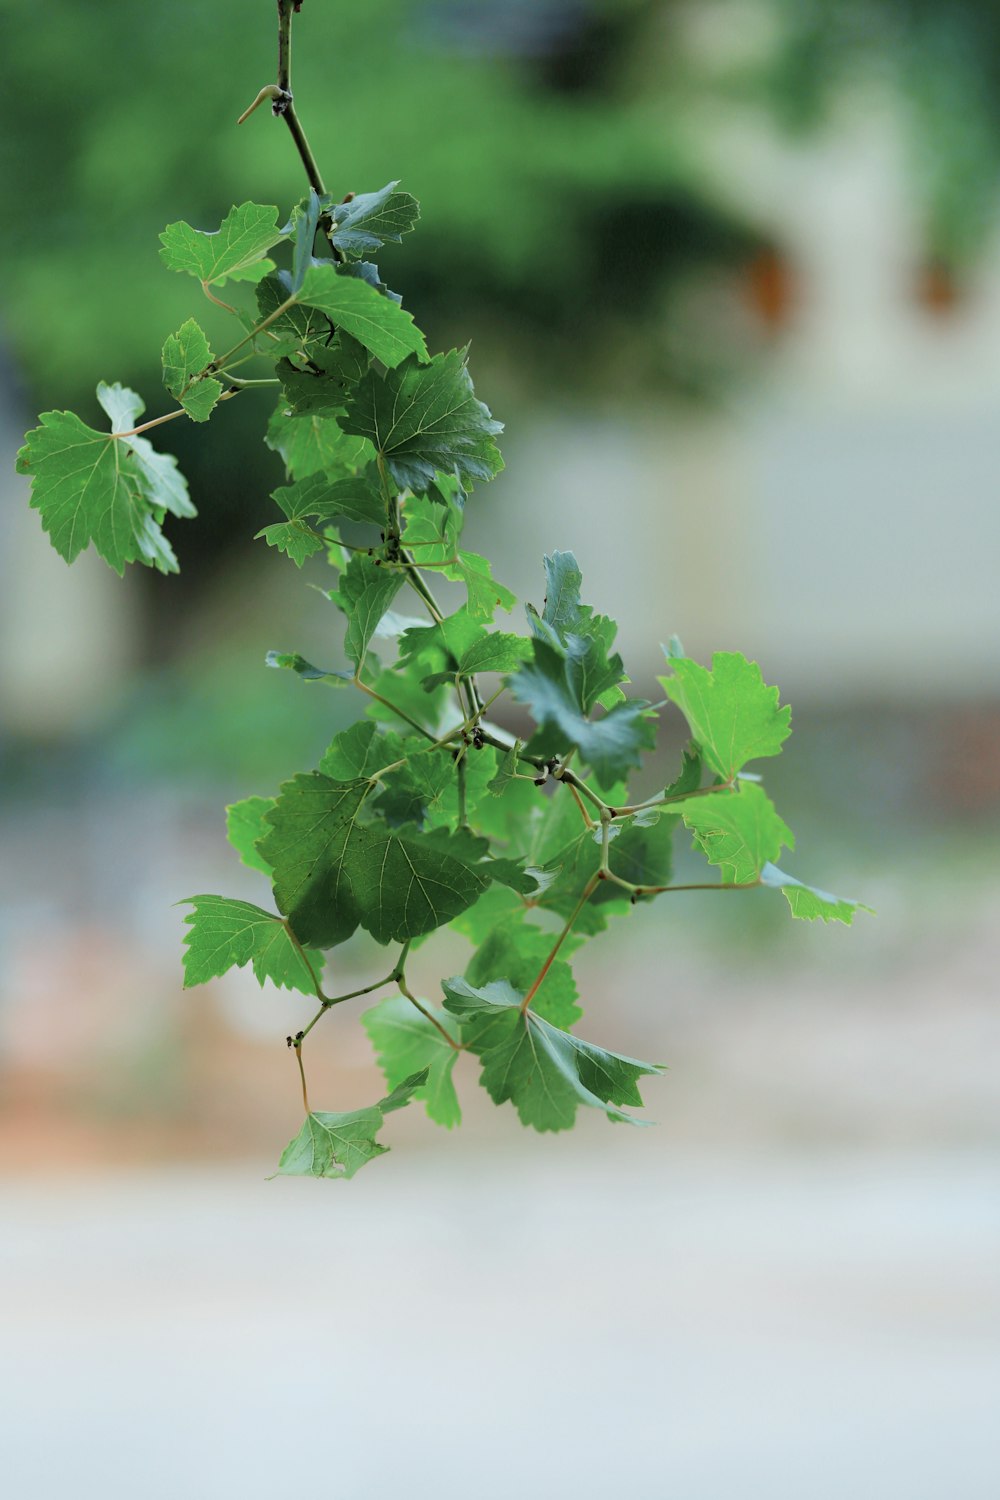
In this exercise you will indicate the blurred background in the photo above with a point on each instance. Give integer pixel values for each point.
(731, 272)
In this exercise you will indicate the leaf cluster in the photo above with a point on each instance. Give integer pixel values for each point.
(425, 813)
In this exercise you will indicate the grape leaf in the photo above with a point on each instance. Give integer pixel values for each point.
(320, 497)
(567, 624)
(545, 1072)
(103, 489)
(311, 443)
(425, 417)
(360, 751)
(324, 384)
(291, 661)
(366, 591)
(245, 825)
(515, 950)
(405, 1043)
(338, 1145)
(734, 716)
(507, 772)
(688, 779)
(311, 827)
(225, 933)
(333, 872)
(235, 251)
(370, 219)
(352, 499)
(186, 354)
(302, 227)
(556, 691)
(296, 326)
(356, 307)
(738, 830)
(809, 902)
(433, 529)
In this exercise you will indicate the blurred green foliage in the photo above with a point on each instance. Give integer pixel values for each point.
(536, 184)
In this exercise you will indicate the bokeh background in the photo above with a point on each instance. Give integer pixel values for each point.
(731, 272)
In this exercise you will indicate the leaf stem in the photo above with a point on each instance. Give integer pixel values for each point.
(397, 711)
(405, 991)
(585, 896)
(156, 422)
(302, 1075)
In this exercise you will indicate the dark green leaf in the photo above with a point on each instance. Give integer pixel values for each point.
(332, 871)
(356, 307)
(425, 417)
(552, 688)
(544, 1071)
(366, 592)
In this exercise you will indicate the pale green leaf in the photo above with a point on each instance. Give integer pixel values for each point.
(225, 934)
(405, 1043)
(733, 714)
(235, 251)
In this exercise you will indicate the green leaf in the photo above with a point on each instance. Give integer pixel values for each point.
(245, 825)
(405, 1043)
(302, 227)
(366, 592)
(554, 690)
(433, 530)
(370, 219)
(545, 1072)
(333, 871)
(809, 902)
(98, 488)
(313, 824)
(312, 443)
(235, 251)
(734, 716)
(507, 772)
(352, 499)
(573, 628)
(225, 933)
(356, 307)
(739, 830)
(360, 751)
(296, 327)
(186, 354)
(297, 540)
(688, 779)
(515, 951)
(338, 1145)
(322, 498)
(498, 652)
(323, 386)
(425, 417)
(290, 661)
(408, 882)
